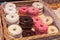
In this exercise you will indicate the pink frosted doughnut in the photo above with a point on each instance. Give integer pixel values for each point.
(33, 10)
(39, 25)
(23, 10)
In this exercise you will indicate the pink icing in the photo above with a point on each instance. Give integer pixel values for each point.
(40, 25)
(33, 10)
(23, 10)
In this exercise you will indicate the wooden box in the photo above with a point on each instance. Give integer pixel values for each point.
(47, 11)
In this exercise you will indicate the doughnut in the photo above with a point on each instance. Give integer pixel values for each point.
(38, 5)
(27, 33)
(10, 8)
(26, 27)
(40, 25)
(10, 5)
(14, 30)
(33, 10)
(12, 18)
(48, 20)
(52, 30)
(26, 20)
(23, 10)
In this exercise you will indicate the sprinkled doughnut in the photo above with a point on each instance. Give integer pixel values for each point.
(12, 18)
(10, 8)
(52, 30)
(14, 30)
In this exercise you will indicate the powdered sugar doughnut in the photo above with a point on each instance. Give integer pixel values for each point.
(52, 30)
(12, 18)
(14, 30)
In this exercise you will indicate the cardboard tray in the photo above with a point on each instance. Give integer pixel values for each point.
(47, 11)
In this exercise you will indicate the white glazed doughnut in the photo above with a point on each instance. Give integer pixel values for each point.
(10, 8)
(48, 20)
(10, 5)
(12, 18)
(52, 30)
(14, 30)
(38, 5)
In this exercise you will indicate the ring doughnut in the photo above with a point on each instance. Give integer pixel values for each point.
(26, 20)
(14, 30)
(12, 18)
(10, 11)
(10, 5)
(33, 10)
(48, 20)
(10, 8)
(26, 27)
(39, 25)
(27, 33)
(23, 10)
(38, 5)
(52, 30)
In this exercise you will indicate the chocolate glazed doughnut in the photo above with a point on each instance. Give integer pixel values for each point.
(27, 33)
(26, 22)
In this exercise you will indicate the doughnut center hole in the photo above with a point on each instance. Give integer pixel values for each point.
(10, 5)
(37, 4)
(47, 20)
(33, 9)
(37, 19)
(23, 9)
(52, 30)
(14, 29)
(12, 16)
(10, 9)
(41, 25)
(26, 19)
